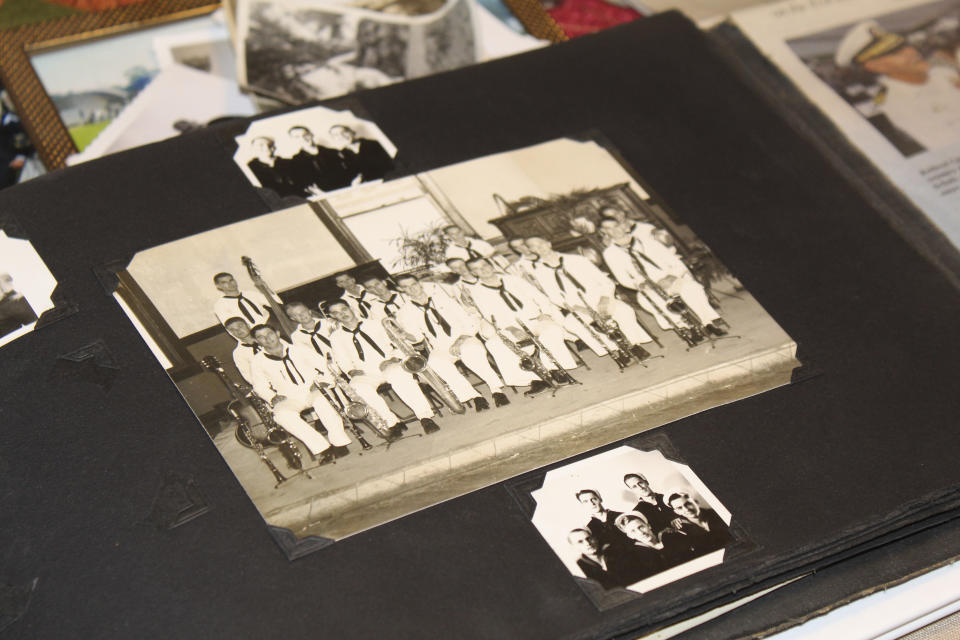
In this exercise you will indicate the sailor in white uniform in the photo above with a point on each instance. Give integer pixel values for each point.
(252, 306)
(364, 352)
(311, 331)
(354, 295)
(290, 377)
(573, 282)
(430, 314)
(507, 301)
(246, 347)
(460, 245)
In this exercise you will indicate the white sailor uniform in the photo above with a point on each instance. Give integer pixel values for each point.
(516, 299)
(365, 348)
(252, 306)
(441, 321)
(575, 281)
(291, 376)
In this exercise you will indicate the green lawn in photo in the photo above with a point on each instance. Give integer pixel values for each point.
(85, 133)
(14, 13)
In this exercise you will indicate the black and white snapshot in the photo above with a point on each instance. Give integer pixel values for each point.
(312, 50)
(25, 287)
(311, 152)
(631, 519)
(899, 70)
(396, 344)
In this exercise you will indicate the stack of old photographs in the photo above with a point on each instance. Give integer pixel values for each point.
(160, 80)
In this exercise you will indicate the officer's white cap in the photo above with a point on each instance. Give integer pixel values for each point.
(857, 38)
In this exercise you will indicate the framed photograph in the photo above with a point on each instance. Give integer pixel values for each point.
(39, 70)
(402, 342)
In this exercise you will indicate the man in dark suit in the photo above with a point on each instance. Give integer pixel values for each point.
(705, 529)
(315, 167)
(369, 157)
(649, 503)
(271, 170)
(601, 523)
(593, 557)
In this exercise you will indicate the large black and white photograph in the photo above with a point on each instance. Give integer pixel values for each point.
(26, 287)
(899, 70)
(312, 50)
(311, 152)
(630, 519)
(400, 343)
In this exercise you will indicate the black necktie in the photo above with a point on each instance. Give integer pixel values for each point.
(472, 252)
(513, 302)
(391, 306)
(292, 372)
(242, 303)
(363, 305)
(356, 343)
(557, 271)
(313, 339)
(636, 247)
(255, 347)
(429, 309)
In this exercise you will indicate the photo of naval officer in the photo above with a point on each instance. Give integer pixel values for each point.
(899, 70)
(920, 99)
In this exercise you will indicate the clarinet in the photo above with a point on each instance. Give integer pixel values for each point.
(260, 450)
(611, 329)
(690, 334)
(540, 346)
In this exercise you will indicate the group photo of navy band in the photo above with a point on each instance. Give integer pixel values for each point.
(516, 319)
(631, 519)
(375, 334)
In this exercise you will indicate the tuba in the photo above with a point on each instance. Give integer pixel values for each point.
(415, 362)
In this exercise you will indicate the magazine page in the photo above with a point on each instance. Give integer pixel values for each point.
(886, 73)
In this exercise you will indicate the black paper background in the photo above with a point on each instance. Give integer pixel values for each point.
(815, 467)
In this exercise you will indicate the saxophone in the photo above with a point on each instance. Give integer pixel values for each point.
(527, 362)
(356, 408)
(415, 362)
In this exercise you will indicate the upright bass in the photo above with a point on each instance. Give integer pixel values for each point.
(287, 326)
